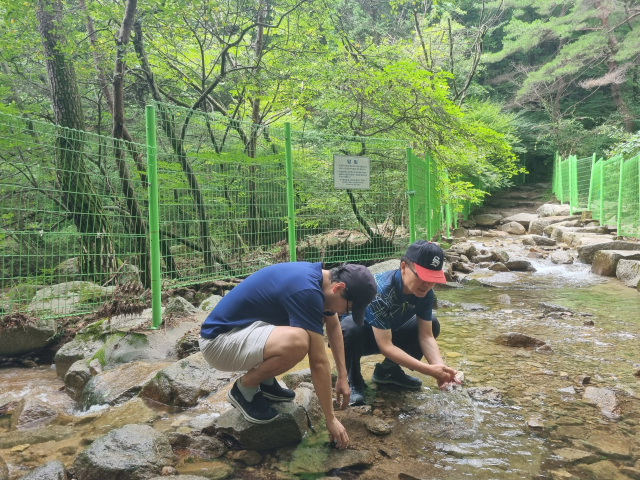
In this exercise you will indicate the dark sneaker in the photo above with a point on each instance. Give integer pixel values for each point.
(276, 392)
(357, 396)
(394, 376)
(255, 411)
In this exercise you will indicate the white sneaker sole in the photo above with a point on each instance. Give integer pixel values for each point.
(248, 417)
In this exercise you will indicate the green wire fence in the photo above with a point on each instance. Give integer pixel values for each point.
(609, 188)
(83, 216)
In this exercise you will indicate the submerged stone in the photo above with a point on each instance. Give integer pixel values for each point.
(485, 394)
(604, 398)
(573, 455)
(32, 412)
(322, 460)
(613, 446)
(603, 470)
(515, 339)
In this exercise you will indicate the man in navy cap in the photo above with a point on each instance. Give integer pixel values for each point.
(270, 321)
(400, 325)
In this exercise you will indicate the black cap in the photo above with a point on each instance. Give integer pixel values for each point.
(361, 289)
(428, 259)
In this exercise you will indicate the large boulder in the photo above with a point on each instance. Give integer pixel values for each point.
(538, 240)
(182, 383)
(49, 471)
(206, 446)
(133, 452)
(523, 219)
(210, 302)
(83, 346)
(487, 219)
(587, 251)
(513, 228)
(628, 272)
(77, 378)
(68, 270)
(20, 335)
(32, 412)
(69, 297)
(572, 238)
(290, 426)
(536, 227)
(605, 262)
(515, 339)
(499, 255)
(467, 249)
(179, 307)
(119, 384)
(551, 210)
(561, 258)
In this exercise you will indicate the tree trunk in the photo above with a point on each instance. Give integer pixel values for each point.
(78, 193)
(140, 231)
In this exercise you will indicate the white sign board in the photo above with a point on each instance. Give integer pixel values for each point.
(351, 172)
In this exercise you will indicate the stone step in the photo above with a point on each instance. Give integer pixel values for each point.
(605, 262)
(628, 272)
(588, 246)
(536, 227)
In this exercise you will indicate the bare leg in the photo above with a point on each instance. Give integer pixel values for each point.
(285, 347)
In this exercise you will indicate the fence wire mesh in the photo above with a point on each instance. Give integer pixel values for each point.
(72, 218)
(348, 225)
(630, 198)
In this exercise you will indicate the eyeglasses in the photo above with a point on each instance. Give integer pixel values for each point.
(347, 313)
(412, 271)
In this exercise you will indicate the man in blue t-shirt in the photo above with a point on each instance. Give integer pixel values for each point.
(400, 325)
(270, 321)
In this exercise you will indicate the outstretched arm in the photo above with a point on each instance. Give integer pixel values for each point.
(334, 334)
(431, 351)
(321, 376)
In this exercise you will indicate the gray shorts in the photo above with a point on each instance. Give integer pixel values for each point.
(240, 349)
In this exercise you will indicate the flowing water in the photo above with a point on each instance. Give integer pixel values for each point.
(449, 434)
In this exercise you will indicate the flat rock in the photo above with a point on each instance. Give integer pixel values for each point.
(180, 477)
(603, 470)
(494, 234)
(552, 307)
(536, 227)
(479, 282)
(605, 262)
(210, 302)
(538, 240)
(520, 266)
(4, 470)
(384, 266)
(513, 228)
(612, 446)
(182, 383)
(32, 412)
(248, 457)
(35, 435)
(587, 252)
(515, 339)
(485, 394)
(459, 233)
(133, 452)
(523, 219)
(487, 219)
(572, 238)
(552, 210)
(561, 258)
(473, 307)
(628, 272)
(604, 398)
(26, 338)
(49, 471)
(322, 460)
(573, 455)
(119, 384)
(209, 470)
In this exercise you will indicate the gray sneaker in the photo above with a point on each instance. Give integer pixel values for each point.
(357, 396)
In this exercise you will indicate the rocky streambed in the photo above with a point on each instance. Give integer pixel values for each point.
(549, 349)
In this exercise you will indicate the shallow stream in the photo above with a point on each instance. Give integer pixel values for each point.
(439, 434)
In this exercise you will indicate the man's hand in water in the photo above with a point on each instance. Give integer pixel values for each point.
(443, 375)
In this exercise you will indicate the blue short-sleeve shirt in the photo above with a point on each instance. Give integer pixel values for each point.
(392, 308)
(285, 294)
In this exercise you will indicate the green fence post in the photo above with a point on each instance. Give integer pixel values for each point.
(154, 220)
(570, 160)
(291, 207)
(447, 206)
(560, 186)
(619, 223)
(602, 192)
(593, 162)
(411, 194)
